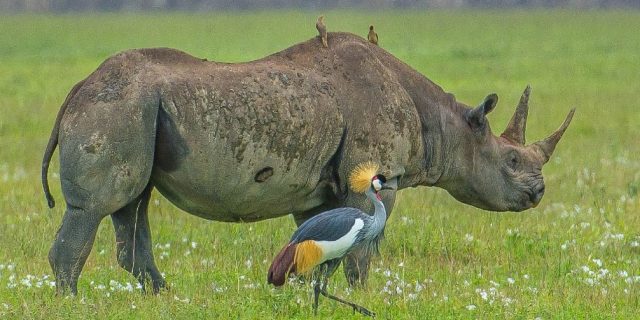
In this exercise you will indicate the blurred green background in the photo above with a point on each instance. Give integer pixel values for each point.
(574, 256)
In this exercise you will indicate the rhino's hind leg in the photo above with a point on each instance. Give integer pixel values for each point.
(133, 241)
(106, 158)
(71, 247)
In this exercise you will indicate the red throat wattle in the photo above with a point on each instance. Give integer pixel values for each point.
(378, 196)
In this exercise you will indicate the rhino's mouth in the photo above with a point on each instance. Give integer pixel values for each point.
(530, 198)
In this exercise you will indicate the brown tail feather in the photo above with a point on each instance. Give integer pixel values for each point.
(282, 265)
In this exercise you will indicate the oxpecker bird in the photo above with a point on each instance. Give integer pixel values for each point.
(372, 36)
(321, 242)
(322, 30)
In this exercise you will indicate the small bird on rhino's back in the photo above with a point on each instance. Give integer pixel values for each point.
(372, 36)
(325, 239)
(322, 30)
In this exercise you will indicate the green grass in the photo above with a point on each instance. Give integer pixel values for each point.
(574, 256)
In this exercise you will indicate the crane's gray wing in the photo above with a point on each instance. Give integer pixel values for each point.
(330, 225)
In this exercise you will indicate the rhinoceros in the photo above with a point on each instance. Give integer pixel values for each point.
(243, 142)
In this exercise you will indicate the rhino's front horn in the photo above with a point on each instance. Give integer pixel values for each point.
(518, 124)
(549, 144)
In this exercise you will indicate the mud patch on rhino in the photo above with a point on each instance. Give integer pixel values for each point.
(264, 174)
(94, 145)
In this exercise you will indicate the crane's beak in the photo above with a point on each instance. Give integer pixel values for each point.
(390, 185)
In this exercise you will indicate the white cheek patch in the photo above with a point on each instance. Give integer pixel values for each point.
(376, 185)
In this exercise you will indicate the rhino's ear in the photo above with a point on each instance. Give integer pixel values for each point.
(477, 117)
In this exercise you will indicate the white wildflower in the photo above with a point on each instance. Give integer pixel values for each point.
(598, 262)
(471, 307)
(618, 236)
(468, 237)
(26, 282)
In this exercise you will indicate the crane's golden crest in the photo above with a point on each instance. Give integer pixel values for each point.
(360, 177)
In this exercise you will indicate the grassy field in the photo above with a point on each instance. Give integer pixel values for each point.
(577, 255)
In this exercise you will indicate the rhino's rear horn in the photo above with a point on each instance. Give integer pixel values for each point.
(516, 128)
(549, 144)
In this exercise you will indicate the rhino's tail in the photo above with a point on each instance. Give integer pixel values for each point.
(53, 142)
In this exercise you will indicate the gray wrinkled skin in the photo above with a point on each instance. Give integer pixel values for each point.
(258, 140)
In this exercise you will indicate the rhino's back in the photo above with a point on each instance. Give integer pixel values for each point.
(244, 141)
(254, 140)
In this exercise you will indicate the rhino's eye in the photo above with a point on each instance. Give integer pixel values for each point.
(514, 160)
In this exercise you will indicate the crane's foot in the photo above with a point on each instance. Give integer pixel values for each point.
(363, 311)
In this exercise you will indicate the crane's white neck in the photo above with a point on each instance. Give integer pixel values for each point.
(379, 215)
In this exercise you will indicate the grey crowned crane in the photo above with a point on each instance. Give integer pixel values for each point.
(321, 242)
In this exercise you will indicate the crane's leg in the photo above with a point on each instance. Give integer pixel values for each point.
(360, 309)
(320, 276)
(133, 241)
(320, 287)
(316, 295)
